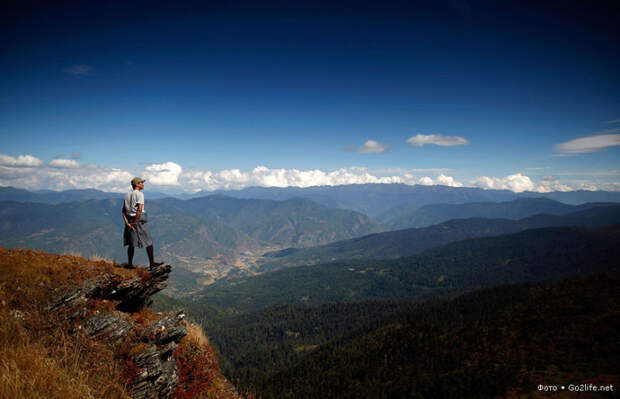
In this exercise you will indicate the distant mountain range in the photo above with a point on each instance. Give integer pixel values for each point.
(298, 222)
(374, 200)
(408, 242)
(377, 199)
(55, 197)
(406, 216)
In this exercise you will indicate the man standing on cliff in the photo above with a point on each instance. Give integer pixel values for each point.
(137, 233)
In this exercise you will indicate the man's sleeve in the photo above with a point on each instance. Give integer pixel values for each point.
(140, 198)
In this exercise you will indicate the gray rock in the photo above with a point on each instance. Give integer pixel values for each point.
(158, 376)
(108, 326)
(157, 369)
(168, 329)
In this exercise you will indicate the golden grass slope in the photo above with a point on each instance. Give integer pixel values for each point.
(39, 355)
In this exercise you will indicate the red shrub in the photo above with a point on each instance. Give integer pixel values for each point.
(197, 369)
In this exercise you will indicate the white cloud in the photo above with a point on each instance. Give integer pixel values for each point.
(516, 183)
(402, 171)
(64, 163)
(372, 147)
(69, 174)
(264, 177)
(549, 183)
(426, 181)
(54, 178)
(420, 140)
(21, 160)
(78, 70)
(441, 180)
(165, 174)
(589, 144)
(519, 182)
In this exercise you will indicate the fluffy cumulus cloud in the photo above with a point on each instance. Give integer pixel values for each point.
(441, 180)
(420, 140)
(516, 183)
(163, 174)
(31, 173)
(22, 160)
(264, 177)
(64, 163)
(372, 147)
(588, 144)
(519, 182)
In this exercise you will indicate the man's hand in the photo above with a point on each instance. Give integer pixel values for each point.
(130, 225)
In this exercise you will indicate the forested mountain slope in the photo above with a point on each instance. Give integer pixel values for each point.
(531, 255)
(296, 222)
(408, 242)
(501, 342)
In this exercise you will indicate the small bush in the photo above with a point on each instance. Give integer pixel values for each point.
(197, 365)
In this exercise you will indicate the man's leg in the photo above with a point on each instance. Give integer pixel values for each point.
(130, 252)
(149, 252)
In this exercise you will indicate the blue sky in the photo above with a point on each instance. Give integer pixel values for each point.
(230, 94)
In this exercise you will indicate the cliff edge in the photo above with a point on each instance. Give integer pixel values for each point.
(78, 328)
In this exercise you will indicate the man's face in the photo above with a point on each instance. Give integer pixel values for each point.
(140, 186)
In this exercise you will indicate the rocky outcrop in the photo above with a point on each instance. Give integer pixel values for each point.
(148, 345)
(157, 368)
(131, 294)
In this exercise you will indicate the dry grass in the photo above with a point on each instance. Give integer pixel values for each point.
(51, 364)
(38, 358)
(35, 274)
(195, 333)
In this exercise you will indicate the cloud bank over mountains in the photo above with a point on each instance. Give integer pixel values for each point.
(29, 172)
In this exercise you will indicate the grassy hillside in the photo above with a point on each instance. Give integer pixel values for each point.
(50, 354)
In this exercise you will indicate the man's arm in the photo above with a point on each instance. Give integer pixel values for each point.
(125, 218)
(138, 213)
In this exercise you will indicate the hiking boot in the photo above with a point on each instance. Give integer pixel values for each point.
(128, 265)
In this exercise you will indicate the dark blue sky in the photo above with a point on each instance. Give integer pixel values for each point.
(504, 89)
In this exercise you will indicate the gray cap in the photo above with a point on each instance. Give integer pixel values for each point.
(137, 180)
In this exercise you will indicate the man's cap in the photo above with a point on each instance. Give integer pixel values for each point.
(137, 180)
